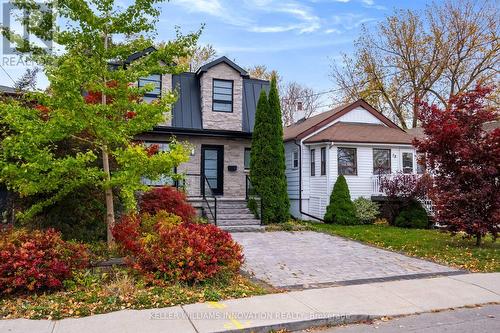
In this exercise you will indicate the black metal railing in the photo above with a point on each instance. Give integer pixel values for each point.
(196, 185)
(254, 199)
(209, 193)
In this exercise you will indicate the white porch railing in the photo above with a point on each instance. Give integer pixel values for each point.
(377, 191)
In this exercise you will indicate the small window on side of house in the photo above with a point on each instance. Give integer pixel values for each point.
(323, 161)
(295, 159)
(246, 160)
(222, 96)
(313, 162)
(347, 161)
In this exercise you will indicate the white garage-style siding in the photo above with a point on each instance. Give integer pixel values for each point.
(359, 115)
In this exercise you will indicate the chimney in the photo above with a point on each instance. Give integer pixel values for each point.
(299, 112)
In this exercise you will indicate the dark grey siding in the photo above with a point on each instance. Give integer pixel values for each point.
(187, 109)
(251, 93)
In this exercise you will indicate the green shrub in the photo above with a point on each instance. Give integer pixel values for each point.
(341, 210)
(412, 216)
(267, 158)
(253, 206)
(366, 210)
(78, 216)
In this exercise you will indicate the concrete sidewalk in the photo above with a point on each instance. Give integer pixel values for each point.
(293, 311)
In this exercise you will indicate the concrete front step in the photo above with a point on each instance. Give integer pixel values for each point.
(237, 222)
(246, 216)
(243, 228)
(233, 210)
(232, 204)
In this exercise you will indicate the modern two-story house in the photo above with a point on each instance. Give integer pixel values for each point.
(354, 140)
(215, 115)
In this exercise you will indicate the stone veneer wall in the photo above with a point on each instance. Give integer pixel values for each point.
(221, 120)
(234, 149)
(166, 86)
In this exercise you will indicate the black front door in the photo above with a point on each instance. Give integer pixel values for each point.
(212, 167)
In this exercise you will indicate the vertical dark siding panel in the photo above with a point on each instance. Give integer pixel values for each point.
(186, 112)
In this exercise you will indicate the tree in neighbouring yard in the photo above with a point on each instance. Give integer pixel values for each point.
(465, 159)
(91, 101)
(414, 55)
(267, 162)
(341, 209)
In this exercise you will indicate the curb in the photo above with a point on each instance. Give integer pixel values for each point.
(306, 324)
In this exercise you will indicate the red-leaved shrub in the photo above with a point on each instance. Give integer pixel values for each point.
(169, 199)
(163, 248)
(34, 260)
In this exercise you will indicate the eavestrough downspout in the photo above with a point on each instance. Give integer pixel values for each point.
(300, 184)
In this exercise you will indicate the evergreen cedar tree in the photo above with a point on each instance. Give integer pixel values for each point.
(341, 209)
(267, 158)
(412, 216)
(465, 160)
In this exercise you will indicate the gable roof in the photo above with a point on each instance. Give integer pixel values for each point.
(7, 90)
(305, 127)
(140, 54)
(361, 133)
(418, 132)
(220, 60)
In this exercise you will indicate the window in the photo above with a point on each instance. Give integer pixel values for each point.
(246, 159)
(381, 161)
(155, 80)
(407, 162)
(347, 161)
(295, 158)
(323, 161)
(313, 162)
(222, 96)
(420, 164)
(163, 180)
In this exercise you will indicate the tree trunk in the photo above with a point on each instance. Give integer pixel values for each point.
(110, 209)
(478, 239)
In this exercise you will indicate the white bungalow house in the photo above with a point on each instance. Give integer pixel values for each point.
(354, 140)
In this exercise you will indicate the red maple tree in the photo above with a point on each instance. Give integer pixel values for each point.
(465, 162)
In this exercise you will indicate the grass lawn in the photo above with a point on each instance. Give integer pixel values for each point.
(435, 245)
(90, 293)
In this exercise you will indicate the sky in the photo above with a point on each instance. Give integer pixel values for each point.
(300, 39)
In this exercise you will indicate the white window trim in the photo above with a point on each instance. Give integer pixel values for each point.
(295, 151)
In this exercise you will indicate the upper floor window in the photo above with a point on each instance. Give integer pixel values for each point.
(323, 161)
(222, 96)
(313, 162)
(295, 159)
(155, 80)
(407, 162)
(246, 159)
(381, 161)
(347, 160)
